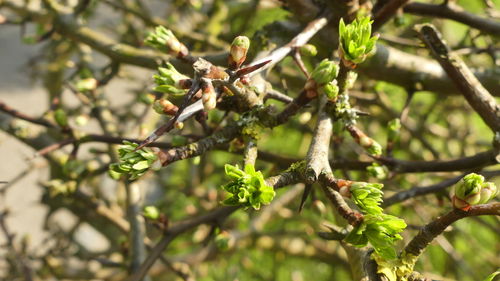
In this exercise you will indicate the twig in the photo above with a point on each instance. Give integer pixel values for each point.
(436, 227)
(423, 190)
(302, 38)
(477, 161)
(387, 12)
(22, 263)
(454, 12)
(329, 186)
(475, 94)
(14, 113)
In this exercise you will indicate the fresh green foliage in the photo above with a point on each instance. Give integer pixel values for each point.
(134, 163)
(168, 80)
(247, 188)
(356, 42)
(367, 196)
(381, 231)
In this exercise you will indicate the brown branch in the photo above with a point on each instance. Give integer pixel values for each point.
(330, 188)
(317, 156)
(436, 227)
(423, 190)
(475, 94)
(477, 161)
(386, 13)
(456, 13)
(14, 113)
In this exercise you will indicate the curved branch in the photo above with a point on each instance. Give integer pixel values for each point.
(456, 13)
(423, 190)
(433, 229)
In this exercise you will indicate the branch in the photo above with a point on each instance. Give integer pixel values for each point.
(433, 229)
(330, 187)
(14, 113)
(387, 12)
(456, 13)
(477, 161)
(423, 190)
(475, 94)
(317, 156)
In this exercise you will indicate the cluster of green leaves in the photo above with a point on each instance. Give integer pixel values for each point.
(356, 42)
(367, 196)
(134, 163)
(380, 229)
(247, 188)
(168, 80)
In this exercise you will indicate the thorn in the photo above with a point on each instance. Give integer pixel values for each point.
(250, 68)
(306, 193)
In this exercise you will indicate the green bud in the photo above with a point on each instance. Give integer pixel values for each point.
(238, 51)
(469, 186)
(393, 127)
(164, 40)
(151, 212)
(308, 50)
(331, 90)
(223, 241)
(87, 84)
(375, 149)
(488, 192)
(377, 171)
(60, 117)
(169, 76)
(325, 72)
(146, 98)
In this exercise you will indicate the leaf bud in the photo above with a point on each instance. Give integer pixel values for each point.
(308, 50)
(238, 51)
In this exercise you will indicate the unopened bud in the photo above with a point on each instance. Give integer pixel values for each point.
(238, 51)
(325, 72)
(60, 117)
(164, 106)
(151, 212)
(331, 90)
(179, 125)
(308, 50)
(164, 40)
(209, 96)
(488, 192)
